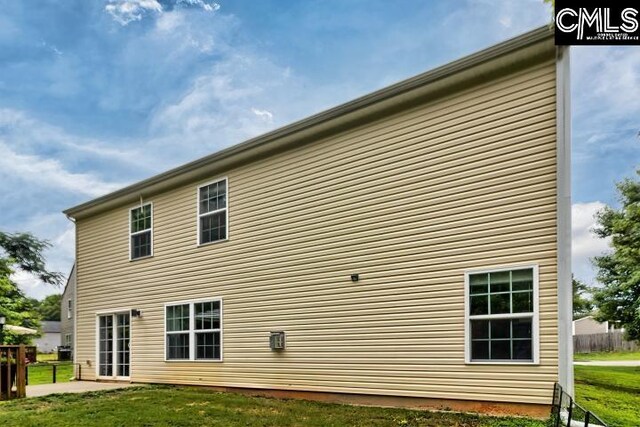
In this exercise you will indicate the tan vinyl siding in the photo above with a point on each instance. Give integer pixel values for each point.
(409, 202)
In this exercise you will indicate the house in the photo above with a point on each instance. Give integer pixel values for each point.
(410, 247)
(588, 325)
(67, 310)
(50, 339)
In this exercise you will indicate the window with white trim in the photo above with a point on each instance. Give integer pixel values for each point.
(141, 231)
(193, 330)
(67, 340)
(69, 308)
(502, 315)
(212, 212)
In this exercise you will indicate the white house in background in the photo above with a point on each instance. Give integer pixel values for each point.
(588, 325)
(50, 339)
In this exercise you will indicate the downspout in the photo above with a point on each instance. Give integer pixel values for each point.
(565, 291)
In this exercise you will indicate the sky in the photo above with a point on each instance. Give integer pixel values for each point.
(95, 95)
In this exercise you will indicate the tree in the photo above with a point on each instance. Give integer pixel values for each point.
(21, 251)
(619, 271)
(49, 307)
(582, 304)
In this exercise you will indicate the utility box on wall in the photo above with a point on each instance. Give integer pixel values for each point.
(277, 340)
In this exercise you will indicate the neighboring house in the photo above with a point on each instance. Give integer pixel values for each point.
(50, 339)
(588, 325)
(410, 247)
(67, 310)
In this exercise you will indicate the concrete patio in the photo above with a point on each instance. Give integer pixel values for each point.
(74, 387)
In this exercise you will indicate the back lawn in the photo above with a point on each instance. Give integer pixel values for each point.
(612, 393)
(193, 406)
(42, 373)
(607, 356)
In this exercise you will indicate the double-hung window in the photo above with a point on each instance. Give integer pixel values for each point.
(69, 308)
(194, 330)
(141, 231)
(212, 212)
(502, 315)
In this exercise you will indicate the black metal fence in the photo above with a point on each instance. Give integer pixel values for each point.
(566, 412)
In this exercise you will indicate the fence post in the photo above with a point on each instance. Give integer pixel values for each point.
(54, 373)
(21, 360)
(586, 419)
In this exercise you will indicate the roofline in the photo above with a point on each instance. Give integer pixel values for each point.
(326, 117)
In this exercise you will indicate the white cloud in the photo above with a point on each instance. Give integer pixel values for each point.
(50, 173)
(505, 21)
(209, 6)
(263, 114)
(127, 11)
(585, 244)
(217, 110)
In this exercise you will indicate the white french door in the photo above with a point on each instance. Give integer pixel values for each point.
(114, 332)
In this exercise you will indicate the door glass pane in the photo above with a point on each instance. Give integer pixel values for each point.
(105, 348)
(123, 326)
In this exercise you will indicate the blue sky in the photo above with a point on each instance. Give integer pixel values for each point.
(95, 95)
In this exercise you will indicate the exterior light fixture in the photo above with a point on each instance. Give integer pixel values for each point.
(355, 277)
(136, 313)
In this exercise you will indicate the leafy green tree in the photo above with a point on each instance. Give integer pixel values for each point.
(582, 304)
(619, 271)
(21, 251)
(49, 307)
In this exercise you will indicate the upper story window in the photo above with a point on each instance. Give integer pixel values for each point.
(141, 231)
(502, 315)
(69, 308)
(212, 212)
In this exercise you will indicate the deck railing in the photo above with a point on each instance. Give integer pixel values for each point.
(566, 412)
(13, 375)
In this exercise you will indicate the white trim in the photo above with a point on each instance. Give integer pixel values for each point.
(192, 330)
(535, 316)
(199, 215)
(113, 314)
(565, 291)
(138, 206)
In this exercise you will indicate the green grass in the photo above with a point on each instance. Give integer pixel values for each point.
(193, 406)
(607, 355)
(612, 393)
(42, 373)
(47, 357)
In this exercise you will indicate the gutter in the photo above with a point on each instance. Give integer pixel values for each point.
(533, 46)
